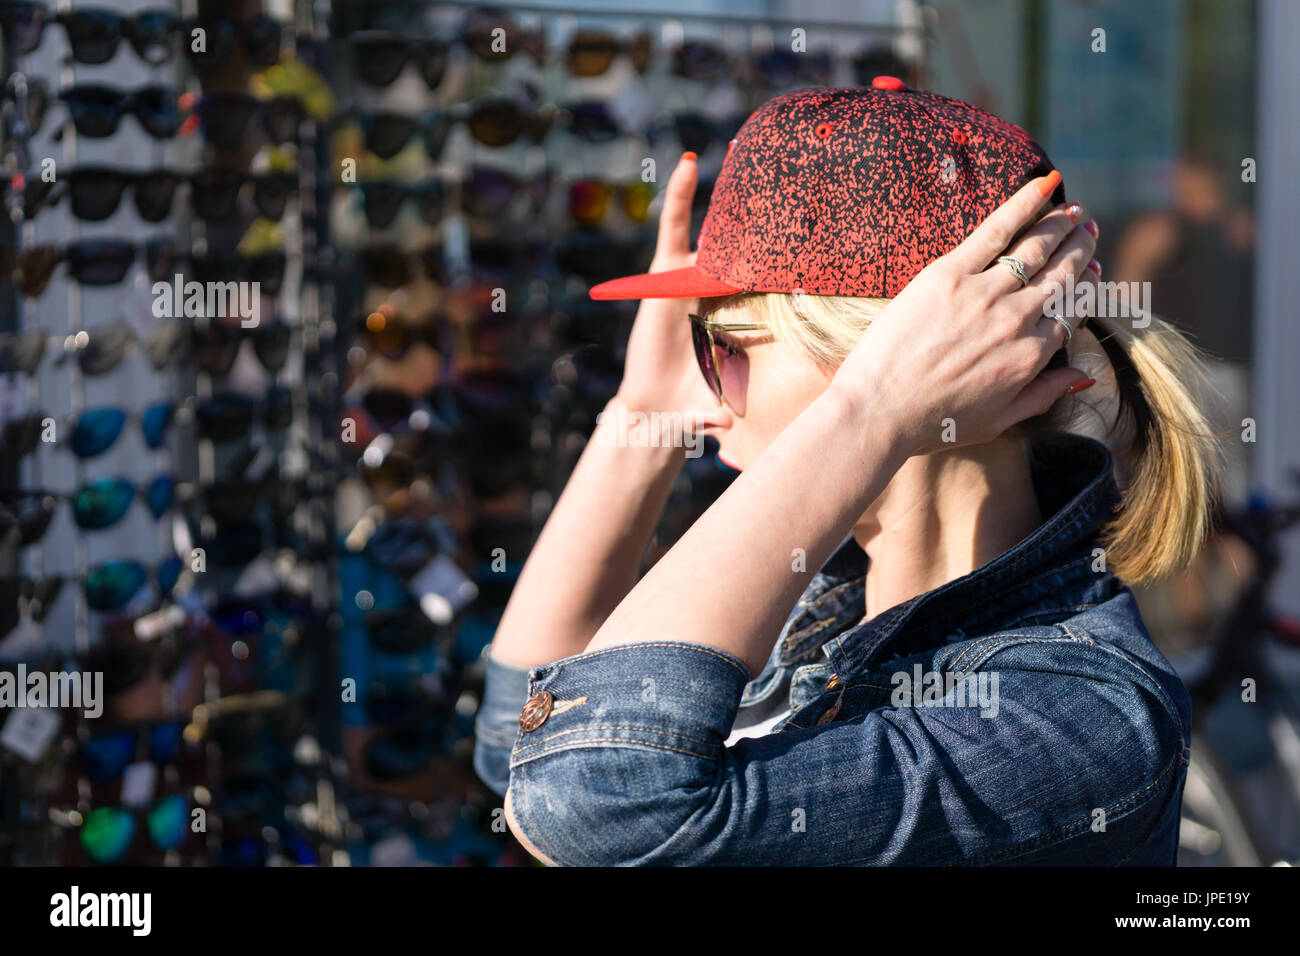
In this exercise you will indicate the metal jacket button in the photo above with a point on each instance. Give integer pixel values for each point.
(833, 682)
(536, 711)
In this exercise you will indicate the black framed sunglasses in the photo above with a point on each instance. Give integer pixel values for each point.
(96, 191)
(94, 34)
(379, 56)
(260, 37)
(226, 114)
(97, 110)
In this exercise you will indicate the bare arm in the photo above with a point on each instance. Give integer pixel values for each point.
(590, 551)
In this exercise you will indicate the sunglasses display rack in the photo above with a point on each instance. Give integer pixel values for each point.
(287, 543)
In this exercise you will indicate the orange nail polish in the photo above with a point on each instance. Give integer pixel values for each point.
(1077, 387)
(689, 156)
(1050, 183)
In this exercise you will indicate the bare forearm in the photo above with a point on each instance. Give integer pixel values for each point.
(730, 581)
(589, 553)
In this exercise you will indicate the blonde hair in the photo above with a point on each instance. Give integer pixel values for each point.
(1145, 409)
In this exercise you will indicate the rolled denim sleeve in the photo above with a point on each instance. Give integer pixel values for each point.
(496, 725)
(625, 763)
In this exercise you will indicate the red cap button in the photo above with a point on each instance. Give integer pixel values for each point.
(888, 83)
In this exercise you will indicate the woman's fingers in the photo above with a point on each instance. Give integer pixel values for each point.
(995, 233)
(1035, 248)
(1047, 294)
(675, 218)
(1040, 395)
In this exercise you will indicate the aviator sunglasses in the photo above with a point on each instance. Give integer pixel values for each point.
(710, 339)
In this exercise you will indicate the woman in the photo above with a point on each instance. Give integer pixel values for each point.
(967, 678)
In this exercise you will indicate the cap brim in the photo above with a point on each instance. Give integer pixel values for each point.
(689, 283)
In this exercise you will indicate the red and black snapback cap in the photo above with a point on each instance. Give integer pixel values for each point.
(847, 192)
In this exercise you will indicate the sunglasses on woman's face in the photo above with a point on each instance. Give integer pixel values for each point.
(260, 37)
(225, 116)
(378, 56)
(94, 34)
(713, 350)
(97, 111)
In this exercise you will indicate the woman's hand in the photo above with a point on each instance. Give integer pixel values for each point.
(952, 359)
(661, 373)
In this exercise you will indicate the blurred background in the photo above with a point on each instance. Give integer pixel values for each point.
(286, 543)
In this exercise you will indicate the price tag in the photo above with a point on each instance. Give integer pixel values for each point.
(29, 731)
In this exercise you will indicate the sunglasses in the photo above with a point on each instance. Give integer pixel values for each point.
(381, 201)
(708, 346)
(96, 191)
(108, 833)
(488, 191)
(698, 132)
(90, 262)
(589, 200)
(217, 346)
(266, 268)
(591, 120)
(93, 431)
(97, 110)
(106, 756)
(592, 52)
(237, 499)
(392, 337)
(492, 120)
(378, 57)
(214, 192)
(779, 68)
(22, 351)
(390, 266)
(229, 416)
(99, 504)
(94, 34)
(102, 349)
(259, 37)
(23, 25)
(698, 60)
(492, 35)
(225, 117)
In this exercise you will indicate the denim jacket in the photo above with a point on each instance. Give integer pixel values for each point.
(1017, 715)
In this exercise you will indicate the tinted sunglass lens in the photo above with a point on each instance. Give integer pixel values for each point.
(106, 756)
(26, 23)
(496, 122)
(112, 584)
(34, 516)
(262, 36)
(96, 110)
(268, 270)
(704, 356)
(279, 408)
(432, 61)
(219, 42)
(388, 407)
(271, 194)
(100, 261)
(169, 573)
(214, 191)
(588, 200)
(381, 202)
(93, 35)
(96, 431)
(168, 822)
(271, 345)
(151, 35)
(431, 201)
(437, 127)
(154, 421)
(154, 192)
(225, 417)
(284, 115)
(107, 833)
(102, 503)
(378, 57)
(35, 267)
(157, 111)
(225, 117)
(159, 257)
(593, 122)
(159, 494)
(591, 52)
(387, 133)
(488, 191)
(106, 348)
(95, 192)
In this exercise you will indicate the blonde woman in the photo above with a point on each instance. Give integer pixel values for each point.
(904, 635)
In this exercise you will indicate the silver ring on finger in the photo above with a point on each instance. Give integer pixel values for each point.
(1017, 269)
(1065, 324)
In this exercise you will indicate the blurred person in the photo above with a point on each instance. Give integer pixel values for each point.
(905, 633)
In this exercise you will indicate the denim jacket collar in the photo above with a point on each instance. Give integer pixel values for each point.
(1073, 477)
